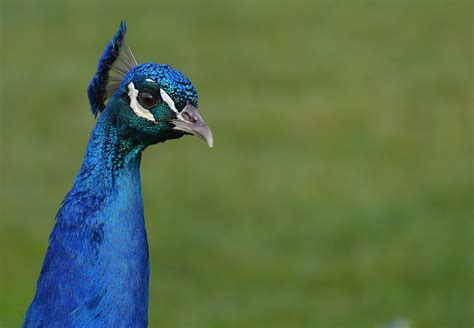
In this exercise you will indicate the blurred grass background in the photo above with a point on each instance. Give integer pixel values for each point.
(340, 189)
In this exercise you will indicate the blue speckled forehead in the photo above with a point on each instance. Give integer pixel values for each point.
(169, 79)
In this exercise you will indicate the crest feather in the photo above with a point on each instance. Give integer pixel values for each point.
(116, 61)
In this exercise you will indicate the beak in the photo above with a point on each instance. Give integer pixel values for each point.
(190, 121)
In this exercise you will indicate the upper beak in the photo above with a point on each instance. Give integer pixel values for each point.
(190, 121)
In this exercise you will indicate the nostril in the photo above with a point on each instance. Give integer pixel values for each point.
(188, 117)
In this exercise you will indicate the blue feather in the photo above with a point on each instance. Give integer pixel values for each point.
(97, 86)
(98, 242)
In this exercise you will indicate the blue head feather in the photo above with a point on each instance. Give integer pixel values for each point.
(169, 79)
(97, 86)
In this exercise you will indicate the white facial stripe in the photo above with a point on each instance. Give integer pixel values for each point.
(167, 99)
(136, 107)
(150, 80)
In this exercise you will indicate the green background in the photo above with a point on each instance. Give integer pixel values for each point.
(339, 192)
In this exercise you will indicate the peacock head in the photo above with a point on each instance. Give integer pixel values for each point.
(148, 103)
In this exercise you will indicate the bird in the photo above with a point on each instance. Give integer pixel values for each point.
(96, 269)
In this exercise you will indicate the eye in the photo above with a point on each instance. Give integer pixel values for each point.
(147, 99)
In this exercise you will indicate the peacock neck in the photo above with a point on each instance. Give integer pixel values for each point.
(104, 211)
(96, 269)
(109, 159)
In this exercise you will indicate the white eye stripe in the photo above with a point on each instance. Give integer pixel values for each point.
(167, 99)
(136, 107)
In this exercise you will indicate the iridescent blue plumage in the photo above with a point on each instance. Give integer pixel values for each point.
(171, 80)
(95, 272)
(97, 86)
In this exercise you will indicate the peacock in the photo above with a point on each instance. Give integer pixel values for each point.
(96, 269)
